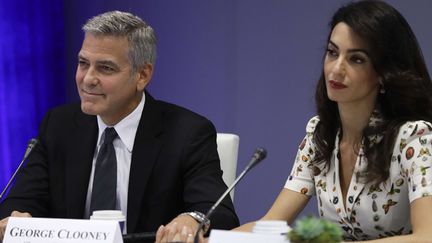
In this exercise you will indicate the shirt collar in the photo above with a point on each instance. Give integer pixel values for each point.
(376, 118)
(127, 127)
(376, 121)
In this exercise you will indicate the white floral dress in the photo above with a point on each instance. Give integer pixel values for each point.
(371, 211)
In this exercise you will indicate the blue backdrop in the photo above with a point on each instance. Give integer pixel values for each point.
(250, 66)
(32, 73)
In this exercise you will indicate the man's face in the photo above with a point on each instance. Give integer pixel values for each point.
(105, 83)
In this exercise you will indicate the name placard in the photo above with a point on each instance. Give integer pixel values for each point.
(47, 230)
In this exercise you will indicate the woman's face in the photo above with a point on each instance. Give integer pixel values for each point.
(348, 70)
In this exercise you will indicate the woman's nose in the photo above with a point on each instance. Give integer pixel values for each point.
(339, 67)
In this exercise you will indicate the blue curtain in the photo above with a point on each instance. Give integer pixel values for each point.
(32, 73)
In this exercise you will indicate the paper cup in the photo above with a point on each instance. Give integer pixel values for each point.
(115, 215)
(271, 227)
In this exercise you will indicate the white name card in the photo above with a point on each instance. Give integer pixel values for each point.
(225, 236)
(47, 230)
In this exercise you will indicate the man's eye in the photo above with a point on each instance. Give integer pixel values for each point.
(107, 69)
(82, 63)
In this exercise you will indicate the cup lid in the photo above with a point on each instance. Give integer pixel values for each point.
(108, 215)
(271, 223)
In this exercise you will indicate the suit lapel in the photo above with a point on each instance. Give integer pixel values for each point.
(145, 150)
(79, 163)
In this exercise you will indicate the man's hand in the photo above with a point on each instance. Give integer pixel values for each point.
(4, 222)
(180, 229)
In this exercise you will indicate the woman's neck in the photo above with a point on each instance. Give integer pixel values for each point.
(354, 118)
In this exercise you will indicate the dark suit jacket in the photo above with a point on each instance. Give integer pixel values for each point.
(175, 168)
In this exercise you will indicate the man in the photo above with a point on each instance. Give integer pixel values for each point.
(162, 163)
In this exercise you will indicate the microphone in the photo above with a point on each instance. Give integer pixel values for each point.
(258, 156)
(31, 145)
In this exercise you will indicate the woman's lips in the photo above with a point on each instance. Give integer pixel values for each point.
(337, 85)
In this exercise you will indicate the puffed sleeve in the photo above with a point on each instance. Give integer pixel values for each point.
(413, 151)
(301, 178)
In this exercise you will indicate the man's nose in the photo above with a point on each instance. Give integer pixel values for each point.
(90, 77)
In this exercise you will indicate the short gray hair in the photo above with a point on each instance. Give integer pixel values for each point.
(141, 37)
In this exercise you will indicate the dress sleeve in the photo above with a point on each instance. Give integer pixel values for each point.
(301, 178)
(413, 151)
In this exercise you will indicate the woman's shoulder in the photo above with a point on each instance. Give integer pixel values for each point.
(414, 129)
(413, 135)
(311, 125)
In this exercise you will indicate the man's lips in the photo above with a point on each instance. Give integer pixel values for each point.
(90, 93)
(337, 85)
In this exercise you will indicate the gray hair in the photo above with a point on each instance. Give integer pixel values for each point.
(141, 37)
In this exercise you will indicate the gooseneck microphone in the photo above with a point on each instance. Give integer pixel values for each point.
(31, 145)
(258, 156)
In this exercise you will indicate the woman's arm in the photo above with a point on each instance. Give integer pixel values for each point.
(286, 207)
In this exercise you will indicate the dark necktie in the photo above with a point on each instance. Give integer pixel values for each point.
(104, 192)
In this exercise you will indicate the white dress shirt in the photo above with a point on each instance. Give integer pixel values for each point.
(123, 145)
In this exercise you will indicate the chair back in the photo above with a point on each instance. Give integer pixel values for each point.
(227, 146)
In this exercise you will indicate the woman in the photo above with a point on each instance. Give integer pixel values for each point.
(367, 155)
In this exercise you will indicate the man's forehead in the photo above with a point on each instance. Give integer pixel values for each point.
(96, 57)
(104, 48)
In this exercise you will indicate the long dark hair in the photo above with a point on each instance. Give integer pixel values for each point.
(398, 60)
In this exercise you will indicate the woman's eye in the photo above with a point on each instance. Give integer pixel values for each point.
(332, 53)
(358, 59)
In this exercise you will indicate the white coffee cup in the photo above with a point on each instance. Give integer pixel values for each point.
(279, 227)
(116, 215)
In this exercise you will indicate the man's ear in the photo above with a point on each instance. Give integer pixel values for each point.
(145, 74)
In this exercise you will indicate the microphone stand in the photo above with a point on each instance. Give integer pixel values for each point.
(258, 156)
(31, 145)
